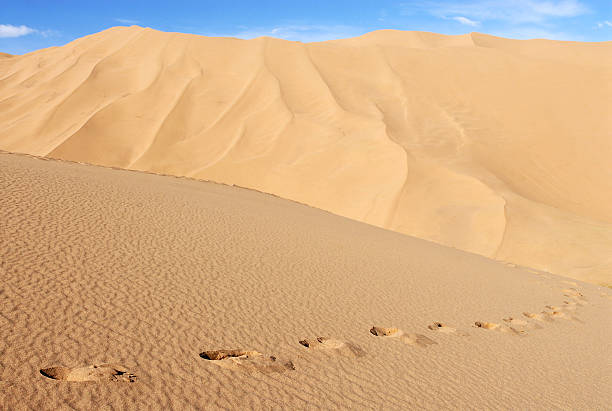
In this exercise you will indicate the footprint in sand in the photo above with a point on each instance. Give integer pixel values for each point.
(247, 360)
(445, 329)
(499, 327)
(556, 312)
(330, 345)
(522, 325)
(98, 372)
(412, 339)
(571, 305)
(574, 294)
(544, 315)
(538, 317)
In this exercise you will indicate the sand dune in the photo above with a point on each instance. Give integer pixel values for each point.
(494, 146)
(122, 289)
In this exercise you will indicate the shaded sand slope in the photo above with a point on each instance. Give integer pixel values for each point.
(498, 147)
(117, 287)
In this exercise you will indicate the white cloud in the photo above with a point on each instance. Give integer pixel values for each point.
(296, 32)
(8, 30)
(127, 21)
(513, 11)
(466, 21)
(602, 24)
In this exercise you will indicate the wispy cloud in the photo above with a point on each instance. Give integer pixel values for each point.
(466, 21)
(513, 11)
(127, 21)
(8, 30)
(604, 24)
(296, 32)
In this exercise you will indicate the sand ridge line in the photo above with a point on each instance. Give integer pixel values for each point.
(153, 173)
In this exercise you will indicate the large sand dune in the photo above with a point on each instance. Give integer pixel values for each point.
(498, 147)
(120, 290)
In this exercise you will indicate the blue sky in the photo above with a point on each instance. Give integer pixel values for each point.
(27, 25)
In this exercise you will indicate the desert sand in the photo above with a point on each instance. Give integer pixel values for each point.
(122, 289)
(494, 146)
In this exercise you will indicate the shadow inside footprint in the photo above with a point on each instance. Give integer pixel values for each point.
(248, 360)
(412, 339)
(329, 344)
(384, 332)
(96, 372)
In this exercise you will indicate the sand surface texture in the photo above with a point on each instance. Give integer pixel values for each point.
(127, 289)
(494, 146)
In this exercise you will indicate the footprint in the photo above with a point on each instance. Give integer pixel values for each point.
(499, 327)
(537, 317)
(580, 301)
(573, 293)
(97, 372)
(555, 314)
(570, 305)
(328, 344)
(521, 324)
(543, 316)
(443, 328)
(515, 321)
(247, 360)
(412, 339)
(570, 283)
(558, 314)
(487, 326)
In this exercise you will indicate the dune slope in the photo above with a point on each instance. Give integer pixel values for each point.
(494, 146)
(122, 289)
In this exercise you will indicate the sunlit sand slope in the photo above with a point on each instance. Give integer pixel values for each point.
(494, 146)
(127, 290)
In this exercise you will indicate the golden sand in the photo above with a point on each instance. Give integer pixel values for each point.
(494, 146)
(128, 290)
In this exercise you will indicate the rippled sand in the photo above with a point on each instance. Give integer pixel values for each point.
(122, 289)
